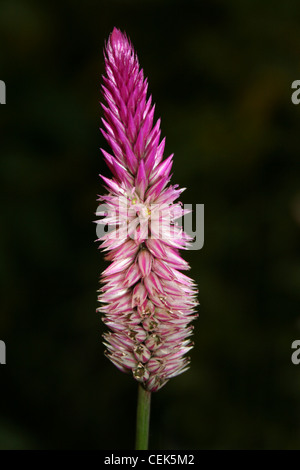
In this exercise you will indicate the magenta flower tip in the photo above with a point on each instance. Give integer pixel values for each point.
(118, 41)
(146, 301)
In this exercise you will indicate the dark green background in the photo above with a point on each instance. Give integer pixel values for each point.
(220, 74)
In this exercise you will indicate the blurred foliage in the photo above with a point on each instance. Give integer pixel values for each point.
(221, 74)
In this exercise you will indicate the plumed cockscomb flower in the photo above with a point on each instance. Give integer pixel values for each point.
(147, 302)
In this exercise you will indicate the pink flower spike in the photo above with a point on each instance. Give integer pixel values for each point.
(147, 303)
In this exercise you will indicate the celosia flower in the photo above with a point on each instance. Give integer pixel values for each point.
(148, 303)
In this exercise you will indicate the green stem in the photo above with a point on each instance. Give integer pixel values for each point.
(142, 419)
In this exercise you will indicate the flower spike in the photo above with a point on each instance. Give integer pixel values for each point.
(146, 301)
